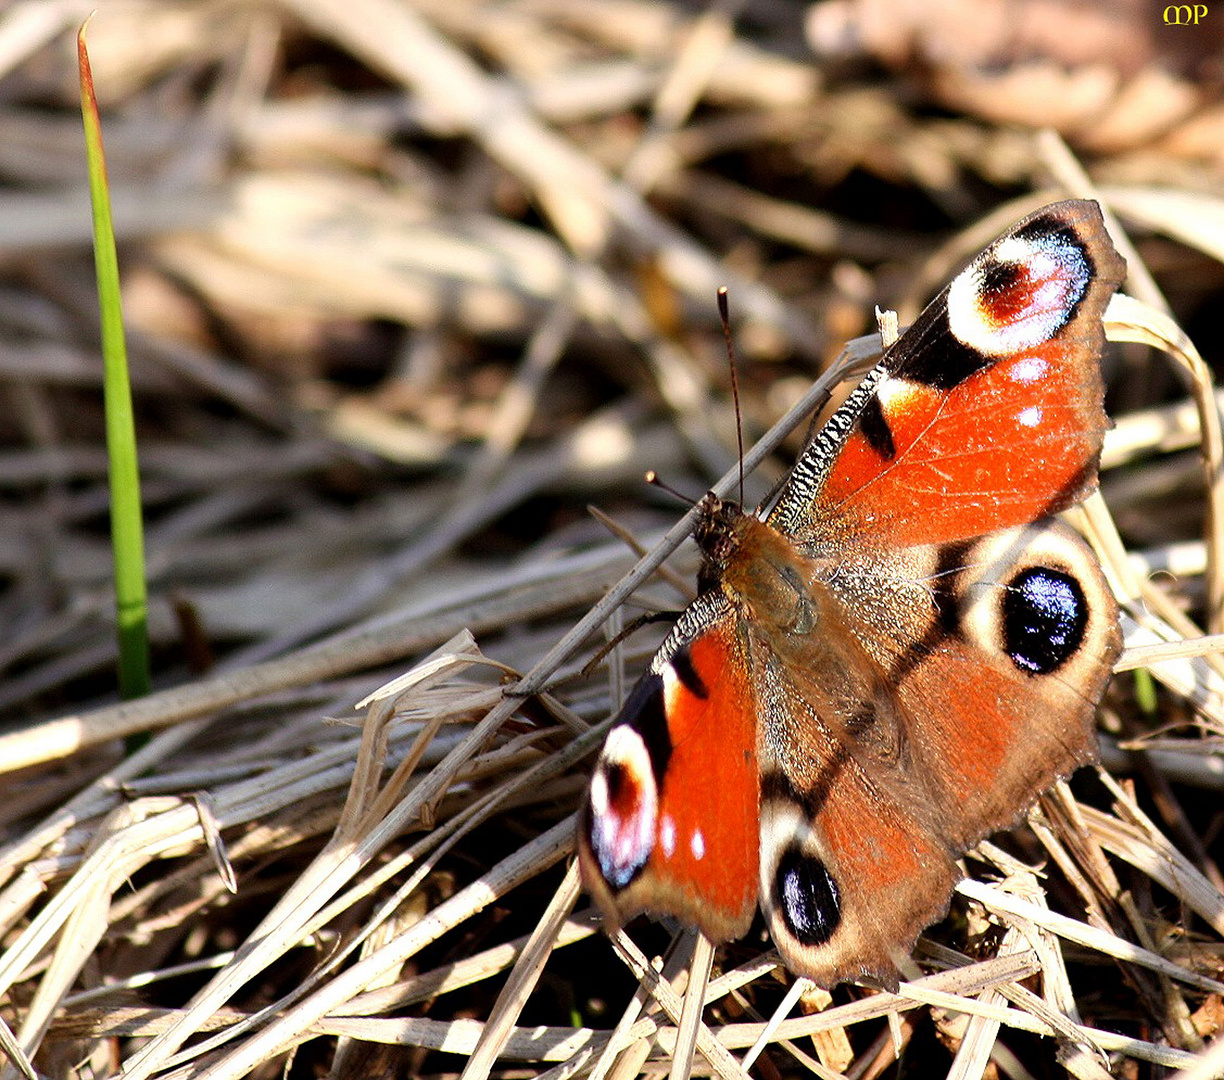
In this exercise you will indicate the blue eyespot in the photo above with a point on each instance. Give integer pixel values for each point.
(1044, 618)
(806, 895)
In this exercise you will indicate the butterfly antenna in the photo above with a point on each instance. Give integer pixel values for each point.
(724, 316)
(652, 478)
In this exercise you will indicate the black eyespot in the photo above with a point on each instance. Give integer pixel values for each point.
(1044, 617)
(623, 792)
(998, 280)
(807, 896)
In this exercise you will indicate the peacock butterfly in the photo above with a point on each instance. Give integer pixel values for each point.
(902, 653)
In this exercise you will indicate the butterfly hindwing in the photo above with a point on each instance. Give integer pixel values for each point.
(852, 861)
(1001, 701)
(982, 697)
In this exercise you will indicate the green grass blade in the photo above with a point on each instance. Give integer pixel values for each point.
(127, 527)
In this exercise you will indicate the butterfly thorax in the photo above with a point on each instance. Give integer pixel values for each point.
(757, 568)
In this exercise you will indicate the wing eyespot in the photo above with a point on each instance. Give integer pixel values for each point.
(807, 897)
(622, 809)
(1020, 292)
(1045, 616)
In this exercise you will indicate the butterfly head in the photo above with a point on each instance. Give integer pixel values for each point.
(719, 532)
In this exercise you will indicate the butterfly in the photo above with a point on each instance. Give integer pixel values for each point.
(895, 659)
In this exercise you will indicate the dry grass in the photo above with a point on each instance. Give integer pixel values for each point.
(409, 286)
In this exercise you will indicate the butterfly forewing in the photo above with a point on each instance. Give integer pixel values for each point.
(986, 413)
(671, 822)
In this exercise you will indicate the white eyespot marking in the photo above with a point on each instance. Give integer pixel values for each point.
(624, 807)
(1019, 294)
(672, 688)
(1029, 370)
(893, 393)
(992, 573)
(1030, 417)
(697, 844)
(625, 747)
(667, 835)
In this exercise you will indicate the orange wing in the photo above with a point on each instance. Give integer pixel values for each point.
(671, 822)
(986, 413)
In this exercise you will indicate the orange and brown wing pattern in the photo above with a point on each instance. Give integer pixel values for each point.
(986, 413)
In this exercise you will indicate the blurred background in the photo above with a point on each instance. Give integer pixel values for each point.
(409, 285)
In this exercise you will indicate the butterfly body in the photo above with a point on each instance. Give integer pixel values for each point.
(901, 654)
